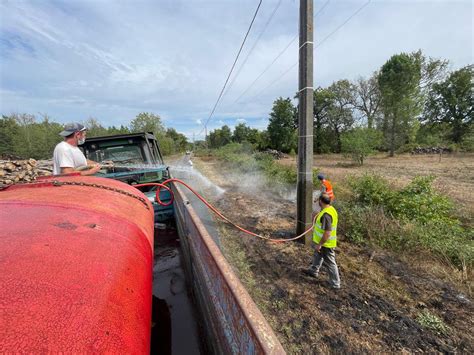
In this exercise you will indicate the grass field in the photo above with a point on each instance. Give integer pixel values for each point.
(454, 173)
(391, 301)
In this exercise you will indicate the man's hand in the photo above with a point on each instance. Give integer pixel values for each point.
(95, 168)
(91, 169)
(317, 248)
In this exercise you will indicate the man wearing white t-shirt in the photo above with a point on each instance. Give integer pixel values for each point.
(67, 157)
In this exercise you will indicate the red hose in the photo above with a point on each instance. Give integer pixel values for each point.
(157, 196)
(213, 209)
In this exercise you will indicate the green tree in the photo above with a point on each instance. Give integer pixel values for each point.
(45, 135)
(339, 113)
(404, 82)
(24, 142)
(368, 99)
(117, 130)
(220, 137)
(241, 133)
(281, 128)
(432, 135)
(147, 122)
(333, 115)
(399, 83)
(433, 70)
(9, 129)
(322, 102)
(21, 135)
(94, 128)
(179, 140)
(166, 144)
(259, 139)
(150, 122)
(360, 143)
(226, 135)
(452, 102)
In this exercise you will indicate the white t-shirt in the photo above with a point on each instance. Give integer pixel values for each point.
(67, 156)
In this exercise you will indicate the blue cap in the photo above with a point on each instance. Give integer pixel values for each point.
(320, 176)
(71, 128)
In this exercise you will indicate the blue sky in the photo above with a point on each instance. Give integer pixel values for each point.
(111, 59)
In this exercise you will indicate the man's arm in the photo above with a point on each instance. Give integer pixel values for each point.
(65, 160)
(323, 240)
(95, 168)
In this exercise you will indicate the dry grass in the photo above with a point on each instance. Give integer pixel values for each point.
(385, 295)
(454, 173)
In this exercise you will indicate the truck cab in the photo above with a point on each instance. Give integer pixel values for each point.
(133, 159)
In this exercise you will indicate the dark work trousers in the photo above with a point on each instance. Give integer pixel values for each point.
(328, 256)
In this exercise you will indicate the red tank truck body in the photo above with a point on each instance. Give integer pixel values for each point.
(76, 256)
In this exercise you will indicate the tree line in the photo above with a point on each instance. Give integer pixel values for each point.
(410, 101)
(27, 136)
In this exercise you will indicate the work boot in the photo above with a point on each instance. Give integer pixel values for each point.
(311, 273)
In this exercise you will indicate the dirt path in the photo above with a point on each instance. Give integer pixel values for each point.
(383, 300)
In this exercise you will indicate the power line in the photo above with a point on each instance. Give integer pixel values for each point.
(266, 69)
(322, 8)
(276, 80)
(254, 45)
(278, 56)
(340, 26)
(233, 65)
(316, 46)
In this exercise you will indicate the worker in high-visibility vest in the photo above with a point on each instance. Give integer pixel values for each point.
(326, 186)
(325, 241)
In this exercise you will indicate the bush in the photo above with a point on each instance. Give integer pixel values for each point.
(360, 143)
(316, 182)
(407, 148)
(467, 144)
(428, 138)
(241, 157)
(454, 148)
(419, 201)
(238, 155)
(277, 173)
(232, 149)
(371, 189)
(412, 217)
(450, 242)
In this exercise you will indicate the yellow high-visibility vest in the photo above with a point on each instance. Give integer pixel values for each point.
(318, 231)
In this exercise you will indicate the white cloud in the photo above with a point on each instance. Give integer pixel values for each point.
(112, 60)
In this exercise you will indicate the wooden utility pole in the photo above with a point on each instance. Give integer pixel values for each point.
(305, 122)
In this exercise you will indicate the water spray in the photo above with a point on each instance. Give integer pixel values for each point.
(213, 209)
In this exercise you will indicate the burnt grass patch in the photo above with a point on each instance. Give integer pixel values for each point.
(311, 318)
(377, 308)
